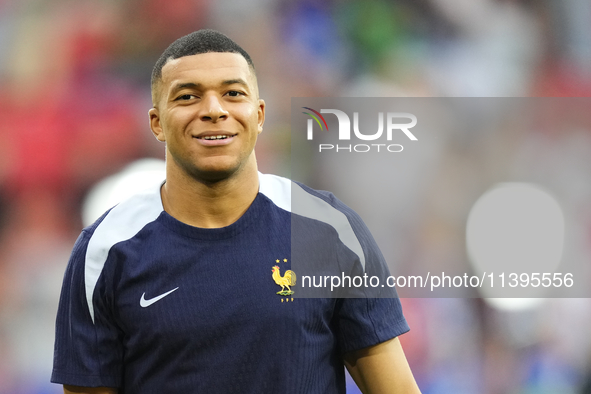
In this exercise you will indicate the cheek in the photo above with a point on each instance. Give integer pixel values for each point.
(252, 117)
(177, 119)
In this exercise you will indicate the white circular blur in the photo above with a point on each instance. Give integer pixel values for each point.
(515, 228)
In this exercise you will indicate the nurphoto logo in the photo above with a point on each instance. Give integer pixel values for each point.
(395, 122)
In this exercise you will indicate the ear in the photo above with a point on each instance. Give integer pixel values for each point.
(155, 124)
(261, 115)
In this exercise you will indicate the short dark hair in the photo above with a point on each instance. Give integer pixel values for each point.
(200, 41)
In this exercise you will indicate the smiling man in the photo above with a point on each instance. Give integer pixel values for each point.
(187, 288)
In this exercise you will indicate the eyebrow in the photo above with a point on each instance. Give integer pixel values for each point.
(180, 86)
(193, 85)
(233, 81)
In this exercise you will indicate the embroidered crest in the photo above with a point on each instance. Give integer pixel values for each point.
(286, 281)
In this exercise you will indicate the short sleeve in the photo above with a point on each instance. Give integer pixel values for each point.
(376, 316)
(363, 322)
(88, 352)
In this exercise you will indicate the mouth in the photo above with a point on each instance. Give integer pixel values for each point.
(212, 139)
(215, 137)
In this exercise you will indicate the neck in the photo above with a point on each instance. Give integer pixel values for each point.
(209, 205)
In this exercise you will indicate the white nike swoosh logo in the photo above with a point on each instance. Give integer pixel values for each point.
(145, 303)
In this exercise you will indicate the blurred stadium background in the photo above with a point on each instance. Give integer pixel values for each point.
(74, 96)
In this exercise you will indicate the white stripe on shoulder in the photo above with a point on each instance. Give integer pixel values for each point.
(123, 222)
(277, 189)
(293, 198)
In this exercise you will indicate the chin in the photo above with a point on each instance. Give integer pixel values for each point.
(215, 174)
(212, 171)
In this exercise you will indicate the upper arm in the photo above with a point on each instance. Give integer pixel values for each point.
(381, 368)
(88, 390)
(87, 353)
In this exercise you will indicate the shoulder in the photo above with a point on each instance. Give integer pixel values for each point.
(122, 222)
(129, 216)
(319, 206)
(299, 198)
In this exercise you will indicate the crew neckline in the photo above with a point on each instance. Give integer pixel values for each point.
(249, 217)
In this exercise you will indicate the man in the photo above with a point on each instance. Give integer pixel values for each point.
(175, 290)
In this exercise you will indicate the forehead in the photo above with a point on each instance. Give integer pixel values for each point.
(206, 66)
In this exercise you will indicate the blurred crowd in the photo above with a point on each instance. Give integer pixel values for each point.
(74, 96)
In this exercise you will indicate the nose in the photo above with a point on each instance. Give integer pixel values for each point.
(213, 109)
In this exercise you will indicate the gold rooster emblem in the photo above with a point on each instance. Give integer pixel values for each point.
(287, 280)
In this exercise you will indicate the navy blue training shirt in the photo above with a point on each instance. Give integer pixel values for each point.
(152, 305)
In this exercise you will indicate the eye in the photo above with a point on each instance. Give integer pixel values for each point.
(186, 97)
(234, 93)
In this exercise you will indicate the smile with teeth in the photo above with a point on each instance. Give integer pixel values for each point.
(215, 137)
